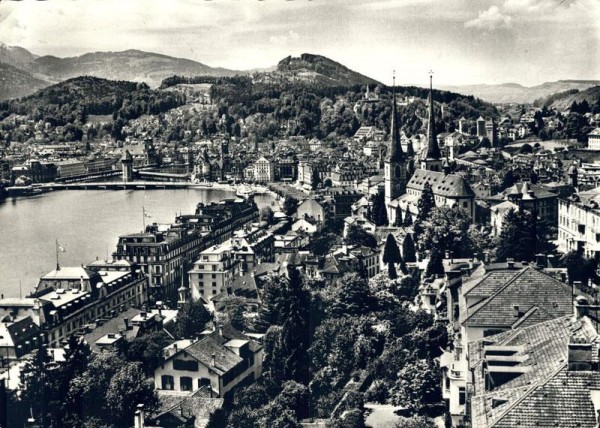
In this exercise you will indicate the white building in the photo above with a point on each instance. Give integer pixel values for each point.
(594, 139)
(579, 223)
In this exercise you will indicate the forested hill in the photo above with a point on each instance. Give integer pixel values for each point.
(71, 101)
(564, 100)
(15, 82)
(241, 107)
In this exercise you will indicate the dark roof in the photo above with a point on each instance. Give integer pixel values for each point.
(546, 393)
(448, 185)
(203, 349)
(114, 325)
(199, 405)
(489, 283)
(539, 297)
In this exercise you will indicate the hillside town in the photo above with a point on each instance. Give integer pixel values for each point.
(448, 278)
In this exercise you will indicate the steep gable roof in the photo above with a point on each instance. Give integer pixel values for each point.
(447, 185)
(546, 394)
(529, 288)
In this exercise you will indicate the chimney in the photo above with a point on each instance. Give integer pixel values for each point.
(517, 312)
(580, 307)
(510, 263)
(213, 359)
(126, 321)
(540, 261)
(139, 417)
(580, 354)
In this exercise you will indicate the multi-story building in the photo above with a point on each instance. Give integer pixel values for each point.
(500, 299)
(214, 271)
(542, 375)
(220, 360)
(532, 198)
(165, 253)
(593, 139)
(579, 223)
(264, 170)
(69, 298)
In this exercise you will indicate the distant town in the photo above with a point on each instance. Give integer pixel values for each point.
(428, 259)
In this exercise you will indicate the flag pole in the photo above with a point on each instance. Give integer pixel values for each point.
(56, 249)
(143, 219)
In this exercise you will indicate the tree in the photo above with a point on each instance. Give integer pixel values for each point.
(379, 211)
(579, 268)
(398, 220)
(267, 215)
(37, 385)
(147, 350)
(295, 331)
(526, 149)
(315, 179)
(290, 206)
(348, 295)
(129, 387)
(447, 230)
(408, 249)
(407, 219)
(416, 422)
(435, 265)
(321, 244)
(391, 256)
(358, 236)
(192, 319)
(417, 385)
(425, 204)
(523, 236)
(233, 308)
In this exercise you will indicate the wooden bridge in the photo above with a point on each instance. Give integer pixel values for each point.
(132, 185)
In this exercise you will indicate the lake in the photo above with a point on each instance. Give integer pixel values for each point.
(86, 223)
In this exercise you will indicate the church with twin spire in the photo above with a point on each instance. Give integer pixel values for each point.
(406, 174)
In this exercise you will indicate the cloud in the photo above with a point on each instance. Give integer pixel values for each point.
(291, 36)
(490, 19)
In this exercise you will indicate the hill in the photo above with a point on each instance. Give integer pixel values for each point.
(15, 82)
(130, 65)
(313, 69)
(16, 56)
(563, 100)
(515, 93)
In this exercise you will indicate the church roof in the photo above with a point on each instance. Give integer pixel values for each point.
(447, 185)
(433, 150)
(395, 153)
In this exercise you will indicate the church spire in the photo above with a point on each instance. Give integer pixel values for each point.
(433, 150)
(395, 153)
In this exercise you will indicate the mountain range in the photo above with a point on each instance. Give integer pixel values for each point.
(515, 93)
(22, 73)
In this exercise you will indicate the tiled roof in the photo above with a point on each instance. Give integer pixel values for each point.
(489, 283)
(529, 288)
(198, 404)
(546, 394)
(448, 185)
(202, 350)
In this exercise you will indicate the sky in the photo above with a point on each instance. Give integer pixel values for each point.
(463, 41)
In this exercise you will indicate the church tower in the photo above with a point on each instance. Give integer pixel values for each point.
(396, 174)
(127, 166)
(433, 157)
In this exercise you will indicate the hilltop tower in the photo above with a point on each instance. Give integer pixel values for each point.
(396, 172)
(433, 157)
(127, 166)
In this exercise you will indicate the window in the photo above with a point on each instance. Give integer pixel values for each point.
(185, 383)
(465, 204)
(203, 381)
(190, 366)
(462, 395)
(214, 276)
(167, 382)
